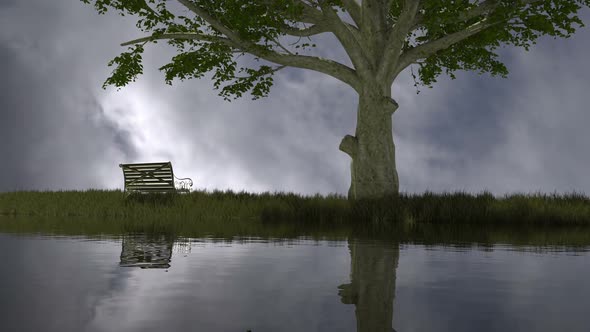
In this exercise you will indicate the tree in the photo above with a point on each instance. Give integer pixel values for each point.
(456, 34)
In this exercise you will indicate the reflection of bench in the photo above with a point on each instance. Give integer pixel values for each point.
(153, 178)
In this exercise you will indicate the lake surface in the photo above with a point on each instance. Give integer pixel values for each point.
(141, 283)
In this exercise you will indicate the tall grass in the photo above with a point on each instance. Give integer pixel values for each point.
(201, 206)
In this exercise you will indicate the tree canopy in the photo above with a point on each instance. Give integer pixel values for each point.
(458, 34)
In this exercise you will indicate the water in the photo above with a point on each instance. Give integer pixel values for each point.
(138, 283)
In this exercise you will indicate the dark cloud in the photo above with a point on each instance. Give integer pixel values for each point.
(47, 141)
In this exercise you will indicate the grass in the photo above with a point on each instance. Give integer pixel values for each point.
(428, 218)
(455, 208)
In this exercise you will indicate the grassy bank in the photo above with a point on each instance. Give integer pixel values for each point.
(267, 208)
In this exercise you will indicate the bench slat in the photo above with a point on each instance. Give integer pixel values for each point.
(141, 186)
(150, 171)
(157, 189)
(168, 178)
(147, 164)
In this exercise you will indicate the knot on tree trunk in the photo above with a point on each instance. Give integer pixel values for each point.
(349, 145)
(390, 105)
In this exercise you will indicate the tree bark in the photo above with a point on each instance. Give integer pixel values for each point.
(373, 171)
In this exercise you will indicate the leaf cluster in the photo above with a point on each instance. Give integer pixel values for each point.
(518, 25)
(251, 21)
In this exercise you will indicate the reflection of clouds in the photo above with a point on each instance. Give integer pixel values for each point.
(494, 289)
(258, 285)
(52, 278)
(118, 281)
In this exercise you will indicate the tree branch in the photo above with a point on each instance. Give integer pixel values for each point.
(374, 28)
(427, 49)
(212, 21)
(354, 10)
(396, 38)
(307, 32)
(182, 35)
(486, 6)
(348, 35)
(281, 46)
(388, 4)
(322, 65)
(310, 14)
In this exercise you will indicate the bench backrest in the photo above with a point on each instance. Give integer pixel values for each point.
(149, 177)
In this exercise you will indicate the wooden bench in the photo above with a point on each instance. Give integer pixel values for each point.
(153, 178)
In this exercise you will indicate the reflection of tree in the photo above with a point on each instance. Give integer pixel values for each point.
(372, 286)
(147, 251)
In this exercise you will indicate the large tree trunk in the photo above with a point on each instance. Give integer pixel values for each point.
(373, 171)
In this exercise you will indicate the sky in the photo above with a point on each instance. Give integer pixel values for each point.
(59, 130)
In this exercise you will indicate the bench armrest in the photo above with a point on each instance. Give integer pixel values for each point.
(183, 183)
